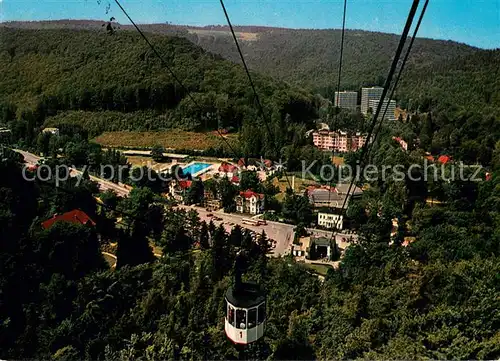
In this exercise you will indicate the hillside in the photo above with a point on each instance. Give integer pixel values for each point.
(309, 58)
(49, 71)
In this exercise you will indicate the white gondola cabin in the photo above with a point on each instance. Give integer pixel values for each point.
(245, 305)
(245, 313)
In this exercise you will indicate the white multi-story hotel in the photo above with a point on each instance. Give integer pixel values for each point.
(346, 100)
(391, 110)
(367, 94)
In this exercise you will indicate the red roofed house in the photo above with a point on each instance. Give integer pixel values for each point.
(228, 168)
(443, 159)
(235, 180)
(402, 143)
(250, 202)
(75, 216)
(177, 189)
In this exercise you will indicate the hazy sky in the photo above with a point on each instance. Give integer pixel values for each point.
(475, 22)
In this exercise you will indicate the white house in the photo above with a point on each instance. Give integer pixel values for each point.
(330, 220)
(250, 202)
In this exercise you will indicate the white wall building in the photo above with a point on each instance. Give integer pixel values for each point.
(346, 100)
(391, 110)
(367, 94)
(250, 202)
(330, 220)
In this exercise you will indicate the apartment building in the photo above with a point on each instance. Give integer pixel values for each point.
(391, 110)
(367, 94)
(330, 220)
(338, 141)
(346, 100)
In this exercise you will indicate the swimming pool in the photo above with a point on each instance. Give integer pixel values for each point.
(195, 168)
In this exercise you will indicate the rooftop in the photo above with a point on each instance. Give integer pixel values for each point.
(303, 245)
(249, 194)
(321, 241)
(75, 216)
(184, 184)
(227, 168)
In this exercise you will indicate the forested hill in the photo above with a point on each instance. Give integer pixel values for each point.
(309, 58)
(47, 71)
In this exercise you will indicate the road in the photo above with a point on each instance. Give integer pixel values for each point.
(282, 233)
(121, 189)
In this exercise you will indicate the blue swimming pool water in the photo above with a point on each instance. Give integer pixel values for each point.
(195, 168)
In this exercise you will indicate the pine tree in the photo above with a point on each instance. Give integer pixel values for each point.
(236, 236)
(204, 236)
(133, 249)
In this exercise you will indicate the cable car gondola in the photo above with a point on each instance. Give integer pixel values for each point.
(245, 308)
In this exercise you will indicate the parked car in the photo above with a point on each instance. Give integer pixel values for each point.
(210, 215)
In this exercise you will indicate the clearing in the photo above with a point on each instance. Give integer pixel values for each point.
(300, 184)
(169, 139)
(320, 269)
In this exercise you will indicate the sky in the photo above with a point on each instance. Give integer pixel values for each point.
(474, 22)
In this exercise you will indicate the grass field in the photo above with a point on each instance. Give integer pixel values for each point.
(320, 269)
(173, 139)
(243, 36)
(300, 185)
(137, 161)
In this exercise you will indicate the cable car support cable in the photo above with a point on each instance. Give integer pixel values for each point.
(387, 84)
(396, 82)
(165, 64)
(257, 99)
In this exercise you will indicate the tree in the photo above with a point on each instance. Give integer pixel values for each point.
(133, 248)
(176, 240)
(264, 244)
(297, 208)
(300, 231)
(43, 143)
(110, 199)
(204, 236)
(69, 249)
(146, 177)
(142, 205)
(220, 253)
(427, 132)
(193, 224)
(236, 236)
(227, 192)
(249, 180)
(194, 194)
(157, 153)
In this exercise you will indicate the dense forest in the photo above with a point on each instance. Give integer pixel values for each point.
(52, 71)
(437, 70)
